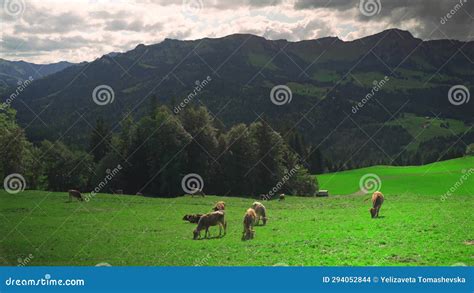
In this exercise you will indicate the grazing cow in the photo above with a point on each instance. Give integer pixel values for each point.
(139, 193)
(208, 220)
(377, 201)
(220, 206)
(281, 197)
(249, 221)
(192, 218)
(75, 194)
(119, 191)
(261, 212)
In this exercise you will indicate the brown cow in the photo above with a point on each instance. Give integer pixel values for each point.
(249, 221)
(377, 201)
(281, 197)
(208, 220)
(75, 194)
(261, 212)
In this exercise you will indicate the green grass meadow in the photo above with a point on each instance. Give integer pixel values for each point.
(416, 227)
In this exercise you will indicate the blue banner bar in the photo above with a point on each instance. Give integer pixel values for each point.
(237, 279)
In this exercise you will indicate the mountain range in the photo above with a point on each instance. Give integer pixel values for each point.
(12, 72)
(372, 100)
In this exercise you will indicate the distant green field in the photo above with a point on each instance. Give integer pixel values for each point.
(415, 228)
(423, 128)
(433, 179)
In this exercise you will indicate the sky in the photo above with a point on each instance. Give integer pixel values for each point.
(46, 31)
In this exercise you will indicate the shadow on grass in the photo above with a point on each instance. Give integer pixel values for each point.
(211, 237)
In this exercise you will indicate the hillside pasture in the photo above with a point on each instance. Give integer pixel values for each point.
(415, 226)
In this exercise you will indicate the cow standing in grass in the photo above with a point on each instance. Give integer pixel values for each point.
(75, 194)
(208, 220)
(261, 212)
(249, 221)
(377, 201)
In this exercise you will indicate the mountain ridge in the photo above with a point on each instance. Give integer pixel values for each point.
(327, 78)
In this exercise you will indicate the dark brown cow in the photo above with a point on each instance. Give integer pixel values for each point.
(192, 218)
(75, 194)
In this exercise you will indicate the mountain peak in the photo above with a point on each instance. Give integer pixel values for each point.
(402, 33)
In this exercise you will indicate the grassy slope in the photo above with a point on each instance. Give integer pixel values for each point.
(415, 229)
(432, 179)
(414, 125)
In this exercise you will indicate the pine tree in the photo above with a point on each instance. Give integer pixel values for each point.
(269, 167)
(238, 162)
(202, 150)
(99, 140)
(315, 161)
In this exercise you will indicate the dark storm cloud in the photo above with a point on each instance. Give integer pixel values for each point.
(135, 26)
(34, 43)
(452, 19)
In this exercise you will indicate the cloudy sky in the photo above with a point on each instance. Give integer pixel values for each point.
(43, 31)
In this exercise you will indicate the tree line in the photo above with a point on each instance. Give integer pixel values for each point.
(156, 151)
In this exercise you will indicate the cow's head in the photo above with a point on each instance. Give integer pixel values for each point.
(195, 234)
(372, 212)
